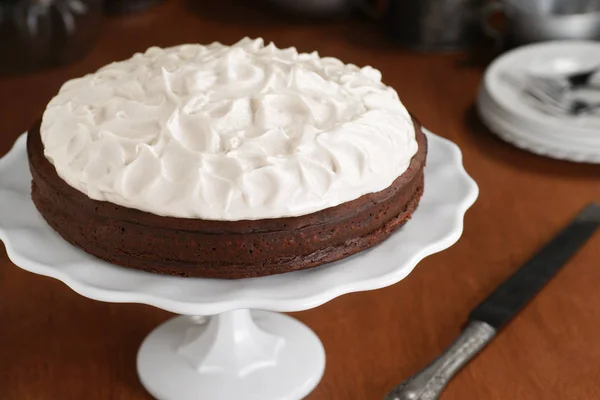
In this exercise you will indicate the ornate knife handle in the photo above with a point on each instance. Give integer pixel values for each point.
(429, 383)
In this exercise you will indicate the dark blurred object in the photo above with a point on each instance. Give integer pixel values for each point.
(312, 8)
(38, 34)
(429, 25)
(529, 21)
(129, 6)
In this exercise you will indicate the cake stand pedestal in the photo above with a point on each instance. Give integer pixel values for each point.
(236, 353)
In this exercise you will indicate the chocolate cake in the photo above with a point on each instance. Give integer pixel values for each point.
(91, 187)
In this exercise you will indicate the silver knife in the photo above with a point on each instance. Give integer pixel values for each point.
(499, 308)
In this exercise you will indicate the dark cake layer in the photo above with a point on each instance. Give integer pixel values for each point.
(221, 249)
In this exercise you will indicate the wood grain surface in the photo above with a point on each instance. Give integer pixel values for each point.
(55, 344)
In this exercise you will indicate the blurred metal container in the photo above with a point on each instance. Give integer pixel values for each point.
(531, 21)
(129, 6)
(312, 8)
(40, 34)
(433, 25)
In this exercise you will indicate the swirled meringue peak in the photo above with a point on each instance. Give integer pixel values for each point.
(239, 132)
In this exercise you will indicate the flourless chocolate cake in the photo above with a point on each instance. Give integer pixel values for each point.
(226, 161)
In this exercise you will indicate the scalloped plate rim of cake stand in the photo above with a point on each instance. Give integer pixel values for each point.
(436, 225)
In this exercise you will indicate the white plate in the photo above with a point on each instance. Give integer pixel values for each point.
(536, 142)
(560, 136)
(533, 133)
(436, 225)
(549, 58)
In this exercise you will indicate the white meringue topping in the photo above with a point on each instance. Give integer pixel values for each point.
(228, 132)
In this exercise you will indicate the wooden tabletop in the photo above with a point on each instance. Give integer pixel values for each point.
(55, 344)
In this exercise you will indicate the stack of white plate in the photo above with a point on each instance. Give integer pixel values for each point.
(511, 114)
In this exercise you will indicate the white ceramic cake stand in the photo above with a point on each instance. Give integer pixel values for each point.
(236, 353)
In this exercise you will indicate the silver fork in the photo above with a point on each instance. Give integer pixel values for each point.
(582, 78)
(579, 107)
(547, 90)
(553, 96)
(575, 80)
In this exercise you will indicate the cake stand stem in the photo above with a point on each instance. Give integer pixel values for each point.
(230, 342)
(237, 354)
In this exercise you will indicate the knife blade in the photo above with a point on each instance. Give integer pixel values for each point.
(515, 292)
(500, 307)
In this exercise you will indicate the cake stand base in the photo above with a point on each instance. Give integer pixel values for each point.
(243, 354)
